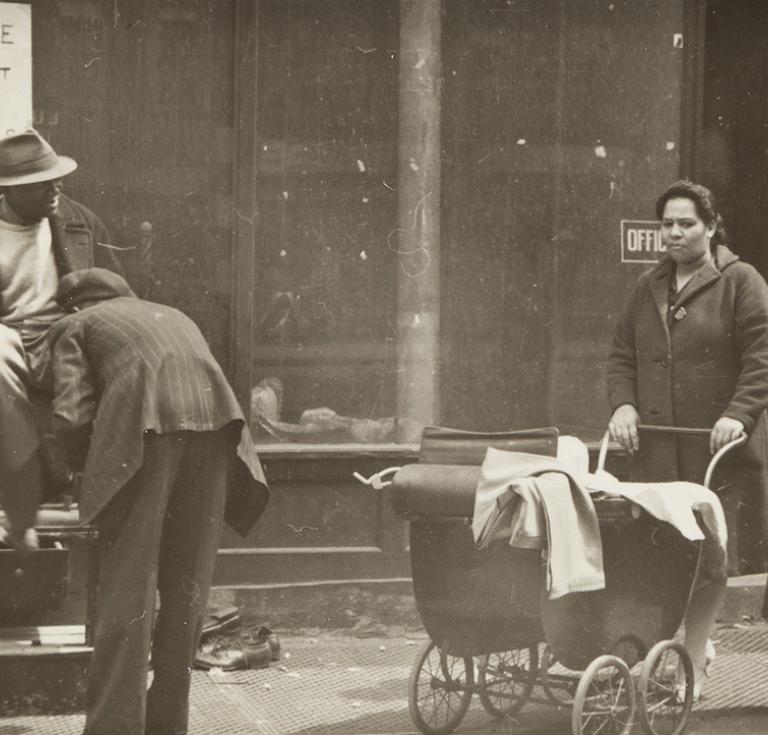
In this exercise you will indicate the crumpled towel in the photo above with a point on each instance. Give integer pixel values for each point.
(535, 501)
(674, 503)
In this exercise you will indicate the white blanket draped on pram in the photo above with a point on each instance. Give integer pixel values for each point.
(677, 504)
(536, 502)
(544, 502)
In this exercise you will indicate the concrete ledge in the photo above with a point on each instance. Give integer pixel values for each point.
(744, 598)
(353, 603)
(364, 605)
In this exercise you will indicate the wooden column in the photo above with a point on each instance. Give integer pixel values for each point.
(418, 234)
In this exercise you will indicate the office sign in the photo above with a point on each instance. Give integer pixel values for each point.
(641, 241)
(15, 68)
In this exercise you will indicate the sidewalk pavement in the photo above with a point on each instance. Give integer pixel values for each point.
(340, 685)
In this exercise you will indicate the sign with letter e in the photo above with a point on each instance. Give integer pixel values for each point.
(15, 68)
(641, 241)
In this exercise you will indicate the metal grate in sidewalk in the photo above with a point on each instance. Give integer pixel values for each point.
(740, 671)
(328, 686)
(346, 686)
(211, 713)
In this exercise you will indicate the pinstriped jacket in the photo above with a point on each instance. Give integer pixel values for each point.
(131, 366)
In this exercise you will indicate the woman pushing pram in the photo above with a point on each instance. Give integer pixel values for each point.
(691, 349)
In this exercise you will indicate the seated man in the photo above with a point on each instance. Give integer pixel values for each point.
(169, 446)
(43, 235)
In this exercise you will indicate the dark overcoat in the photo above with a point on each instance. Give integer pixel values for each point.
(707, 360)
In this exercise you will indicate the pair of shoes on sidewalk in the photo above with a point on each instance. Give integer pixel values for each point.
(255, 651)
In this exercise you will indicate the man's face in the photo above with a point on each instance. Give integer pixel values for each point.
(33, 202)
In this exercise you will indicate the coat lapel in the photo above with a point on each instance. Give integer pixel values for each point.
(699, 281)
(659, 283)
(57, 244)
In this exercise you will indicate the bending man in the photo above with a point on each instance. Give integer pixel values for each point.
(169, 445)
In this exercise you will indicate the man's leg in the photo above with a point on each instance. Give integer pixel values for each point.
(130, 532)
(188, 553)
(20, 470)
(705, 603)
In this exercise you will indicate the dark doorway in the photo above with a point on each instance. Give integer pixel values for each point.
(732, 145)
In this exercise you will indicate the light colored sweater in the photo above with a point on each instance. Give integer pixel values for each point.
(28, 276)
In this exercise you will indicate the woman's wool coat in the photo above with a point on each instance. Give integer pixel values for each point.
(708, 359)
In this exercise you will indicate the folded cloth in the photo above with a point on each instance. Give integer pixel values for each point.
(573, 452)
(532, 500)
(675, 503)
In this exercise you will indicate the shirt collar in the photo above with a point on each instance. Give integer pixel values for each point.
(8, 214)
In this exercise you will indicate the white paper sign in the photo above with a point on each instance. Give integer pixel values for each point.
(15, 68)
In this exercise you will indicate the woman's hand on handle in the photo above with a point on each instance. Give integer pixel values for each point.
(623, 427)
(725, 430)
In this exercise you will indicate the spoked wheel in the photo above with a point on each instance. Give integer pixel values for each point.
(440, 690)
(605, 699)
(666, 689)
(506, 679)
(558, 683)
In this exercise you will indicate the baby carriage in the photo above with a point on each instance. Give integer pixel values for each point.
(492, 603)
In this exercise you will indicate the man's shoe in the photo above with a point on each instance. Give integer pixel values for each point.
(220, 621)
(232, 658)
(265, 634)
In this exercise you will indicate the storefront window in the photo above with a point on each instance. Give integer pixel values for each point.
(560, 120)
(557, 121)
(547, 124)
(141, 94)
(325, 292)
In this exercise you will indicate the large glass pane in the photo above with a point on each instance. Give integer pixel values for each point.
(325, 290)
(141, 94)
(560, 119)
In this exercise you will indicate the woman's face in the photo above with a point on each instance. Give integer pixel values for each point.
(684, 233)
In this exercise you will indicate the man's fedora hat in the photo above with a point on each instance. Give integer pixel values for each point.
(27, 158)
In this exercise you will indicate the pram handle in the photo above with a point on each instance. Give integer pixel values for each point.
(718, 455)
(377, 481)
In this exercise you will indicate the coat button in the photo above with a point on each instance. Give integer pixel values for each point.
(666, 361)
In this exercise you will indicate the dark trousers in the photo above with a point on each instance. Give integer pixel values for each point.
(159, 534)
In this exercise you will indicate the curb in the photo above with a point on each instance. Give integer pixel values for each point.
(345, 603)
(744, 598)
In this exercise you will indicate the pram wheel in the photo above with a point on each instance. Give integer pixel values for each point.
(605, 699)
(506, 679)
(440, 690)
(667, 672)
(558, 683)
